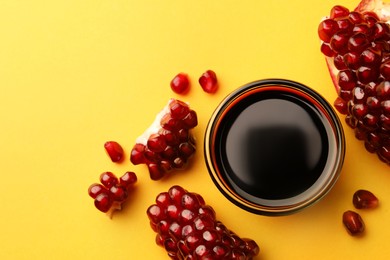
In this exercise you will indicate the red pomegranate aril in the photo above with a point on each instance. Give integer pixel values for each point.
(364, 199)
(103, 202)
(370, 57)
(208, 81)
(108, 179)
(114, 150)
(95, 189)
(326, 29)
(352, 60)
(381, 31)
(129, 178)
(341, 106)
(179, 109)
(339, 11)
(194, 233)
(355, 17)
(385, 70)
(366, 74)
(339, 42)
(353, 223)
(137, 154)
(346, 80)
(118, 193)
(357, 42)
(180, 84)
(156, 143)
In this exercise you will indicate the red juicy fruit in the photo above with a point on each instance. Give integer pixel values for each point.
(180, 84)
(188, 229)
(357, 49)
(364, 199)
(114, 150)
(353, 222)
(208, 81)
(168, 143)
(111, 192)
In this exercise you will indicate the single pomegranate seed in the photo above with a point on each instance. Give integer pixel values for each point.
(95, 189)
(341, 106)
(208, 81)
(168, 144)
(339, 11)
(114, 150)
(326, 29)
(187, 229)
(180, 84)
(108, 179)
(111, 193)
(353, 223)
(364, 199)
(129, 178)
(103, 202)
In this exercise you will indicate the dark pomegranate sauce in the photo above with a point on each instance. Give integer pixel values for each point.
(274, 146)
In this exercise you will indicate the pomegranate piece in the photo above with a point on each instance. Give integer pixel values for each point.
(114, 150)
(168, 143)
(188, 229)
(180, 84)
(111, 192)
(353, 222)
(208, 81)
(364, 199)
(356, 45)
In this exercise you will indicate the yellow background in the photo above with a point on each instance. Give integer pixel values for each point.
(74, 74)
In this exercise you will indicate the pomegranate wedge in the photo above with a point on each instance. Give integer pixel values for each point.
(168, 143)
(357, 48)
(188, 229)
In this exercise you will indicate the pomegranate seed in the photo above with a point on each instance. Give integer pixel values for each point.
(339, 11)
(208, 81)
(129, 178)
(187, 229)
(353, 223)
(111, 193)
(357, 48)
(180, 84)
(168, 144)
(364, 199)
(103, 202)
(95, 189)
(114, 150)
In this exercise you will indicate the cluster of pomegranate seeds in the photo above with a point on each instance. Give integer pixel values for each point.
(364, 199)
(353, 222)
(187, 228)
(180, 84)
(168, 143)
(111, 192)
(357, 47)
(114, 150)
(208, 81)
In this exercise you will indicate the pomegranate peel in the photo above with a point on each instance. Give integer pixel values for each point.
(167, 144)
(356, 45)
